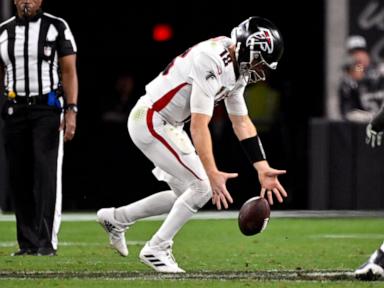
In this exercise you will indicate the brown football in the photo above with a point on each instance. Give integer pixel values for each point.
(254, 216)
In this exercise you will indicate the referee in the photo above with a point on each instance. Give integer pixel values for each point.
(38, 76)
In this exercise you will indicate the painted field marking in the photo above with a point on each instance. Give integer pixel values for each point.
(263, 275)
(348, 236)
(5, 244)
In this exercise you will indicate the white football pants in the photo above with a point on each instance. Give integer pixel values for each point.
(168, 147)
(171, 151)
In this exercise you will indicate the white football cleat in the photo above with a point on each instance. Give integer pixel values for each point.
(115, 230)
(373, 269)
(160, 258)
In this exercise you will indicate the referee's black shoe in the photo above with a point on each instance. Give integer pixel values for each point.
(46, 252)
(24, 252)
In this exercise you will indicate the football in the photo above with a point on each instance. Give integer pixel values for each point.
(254, 216)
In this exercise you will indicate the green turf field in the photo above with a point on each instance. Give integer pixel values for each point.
(290, 253)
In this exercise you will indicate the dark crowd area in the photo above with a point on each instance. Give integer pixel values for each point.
(117, 56)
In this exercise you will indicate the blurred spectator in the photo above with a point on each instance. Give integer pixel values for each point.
(361, 89)
(124, 100)
(117, 147)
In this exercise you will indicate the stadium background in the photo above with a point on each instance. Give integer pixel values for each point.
(103, 168)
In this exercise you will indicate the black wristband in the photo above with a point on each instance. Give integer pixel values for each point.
(71, 107)
(253, 149)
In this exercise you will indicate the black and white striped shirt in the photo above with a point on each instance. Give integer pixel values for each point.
(29, 51)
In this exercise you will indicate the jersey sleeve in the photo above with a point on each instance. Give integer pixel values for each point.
(235, 102)
(205, 84)
(66, 41)
(200, 101)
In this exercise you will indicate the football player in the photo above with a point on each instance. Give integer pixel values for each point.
(374, 267)
(187, 90)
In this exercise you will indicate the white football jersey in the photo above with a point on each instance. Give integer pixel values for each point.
(209, 67)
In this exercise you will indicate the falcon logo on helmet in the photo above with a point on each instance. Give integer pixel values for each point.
(259, 46)
(262, 38)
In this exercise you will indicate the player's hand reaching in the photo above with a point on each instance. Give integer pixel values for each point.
(373, 137)
(269, 182)
(220, 194)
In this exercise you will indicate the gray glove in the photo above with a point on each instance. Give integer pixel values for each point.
(373, 138)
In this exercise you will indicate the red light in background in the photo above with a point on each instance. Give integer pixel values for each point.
(162, 32)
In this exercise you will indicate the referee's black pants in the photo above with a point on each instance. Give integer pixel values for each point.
(32, 140)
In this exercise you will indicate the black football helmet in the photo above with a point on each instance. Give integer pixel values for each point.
(258, 44)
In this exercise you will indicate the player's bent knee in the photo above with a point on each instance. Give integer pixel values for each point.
(177, 186)
(198, 194)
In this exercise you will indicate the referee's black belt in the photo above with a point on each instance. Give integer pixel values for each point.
(32, 100)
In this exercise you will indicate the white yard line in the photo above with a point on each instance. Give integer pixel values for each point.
(263, 275)
(5, 244)
(348, 236)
